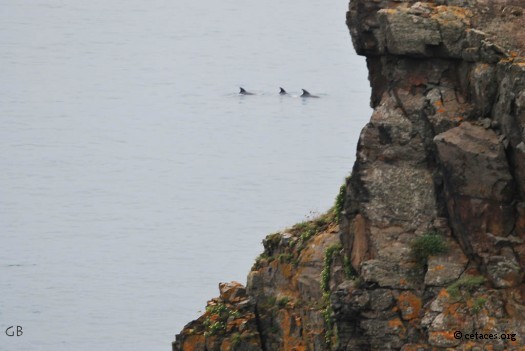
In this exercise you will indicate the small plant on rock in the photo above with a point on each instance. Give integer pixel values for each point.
(271, 242)
(217, 317)
(285, 257)
(282, 302)
(478, 305)
(429, 244)
(328, 258)
(270, 302)
(214, 328)
(466, 282)
(325, 287)
(236, 339)
(340, 202)
(350, 272)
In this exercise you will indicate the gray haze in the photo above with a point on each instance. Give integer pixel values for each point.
(134, 178)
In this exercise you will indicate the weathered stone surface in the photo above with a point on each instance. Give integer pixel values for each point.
(409, 304)
(228, 324)
(504, 271)
(442, 270)
(232, 292)
(480, 205)
(447, 116)
(483, 81)
(359, 242)
(388, 274)
(408, 33)
(469, 151)
(381, 299)
(386, 335)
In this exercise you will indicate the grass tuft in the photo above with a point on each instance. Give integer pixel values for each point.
(429, 244)
(466, 282)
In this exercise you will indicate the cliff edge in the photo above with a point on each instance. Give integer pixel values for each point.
(425, 246)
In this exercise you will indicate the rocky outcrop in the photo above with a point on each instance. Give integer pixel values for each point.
(438, 143)
(427, 238)
(282, 307)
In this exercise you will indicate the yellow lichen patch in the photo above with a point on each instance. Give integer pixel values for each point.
(409, 304)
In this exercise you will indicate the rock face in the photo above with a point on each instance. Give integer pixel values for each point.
(427, 237)
(283, 307)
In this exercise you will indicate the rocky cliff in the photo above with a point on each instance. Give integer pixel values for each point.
(425, 246)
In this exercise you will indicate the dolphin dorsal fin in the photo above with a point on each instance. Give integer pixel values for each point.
(242, 91)
(282, 91)
(305, 92)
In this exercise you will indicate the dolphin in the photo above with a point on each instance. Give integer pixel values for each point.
(306, 94)
(244, 92)
(282, 92)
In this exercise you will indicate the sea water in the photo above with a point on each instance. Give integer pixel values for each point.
(135, 178)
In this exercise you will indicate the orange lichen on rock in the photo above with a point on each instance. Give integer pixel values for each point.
(403, 282)
(226, 345)
(396, 324)
(452, 13)
(291, 336)
(439, 267)
(194, 343)
(409, 304)
(443, 294)
(443, 338)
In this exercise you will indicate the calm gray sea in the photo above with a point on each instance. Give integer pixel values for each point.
(134, 178)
